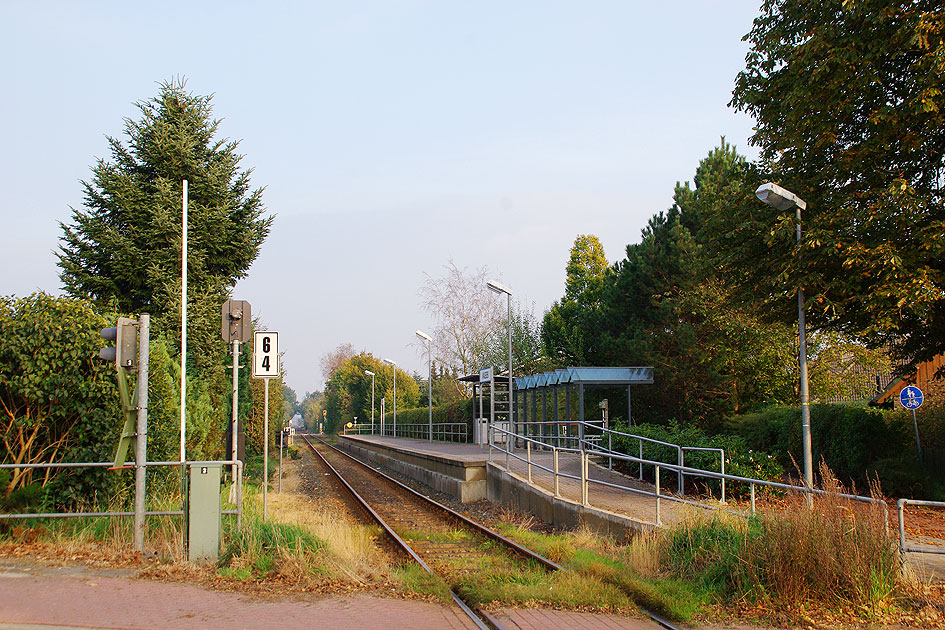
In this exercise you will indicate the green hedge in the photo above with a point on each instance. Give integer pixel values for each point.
(459, 411)
(856, 443)
(739, 458)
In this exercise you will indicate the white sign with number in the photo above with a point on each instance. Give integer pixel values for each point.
(266, 354)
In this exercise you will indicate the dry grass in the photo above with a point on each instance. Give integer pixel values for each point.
(836, 555)
(350, 550)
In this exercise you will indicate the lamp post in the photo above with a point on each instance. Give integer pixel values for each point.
(393, 366)
(371, 374)
(498, 288)
(781, 199)
(429, 341)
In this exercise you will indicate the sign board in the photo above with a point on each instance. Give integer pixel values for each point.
(485, 375)
(911, 397)
(236, 321)
(266, 354)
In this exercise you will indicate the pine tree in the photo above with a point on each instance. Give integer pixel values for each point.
(124, 245)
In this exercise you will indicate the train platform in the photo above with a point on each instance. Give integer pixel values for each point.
(636, 510)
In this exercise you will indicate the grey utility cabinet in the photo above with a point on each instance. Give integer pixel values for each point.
(203, 513)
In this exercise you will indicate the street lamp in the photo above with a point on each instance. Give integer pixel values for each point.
(777, 197)
(429, 341)
(393, 366)
(371, 374)
(498, 288)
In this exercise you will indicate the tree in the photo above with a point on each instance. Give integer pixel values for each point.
(466, 315)
(587, 267)
(666, 305)
(58, 400)
(311, 409)
(567, 330)
(290, 403)
(850, 114)
(348, 391)
(333, 360)
(124, 246)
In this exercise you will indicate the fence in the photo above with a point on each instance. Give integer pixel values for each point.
(442, 431)
(239, 489)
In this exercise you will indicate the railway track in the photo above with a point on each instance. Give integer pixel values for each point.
(442, 541)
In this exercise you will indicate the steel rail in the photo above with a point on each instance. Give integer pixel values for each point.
(475, 617)
(527, 553)
(482, 529)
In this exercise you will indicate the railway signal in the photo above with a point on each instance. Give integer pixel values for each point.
(125, 350)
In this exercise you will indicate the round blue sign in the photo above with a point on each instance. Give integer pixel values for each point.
(911, 397)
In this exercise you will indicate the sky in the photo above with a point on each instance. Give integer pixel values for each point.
(391, 138)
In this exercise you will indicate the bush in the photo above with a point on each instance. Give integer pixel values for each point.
(739, 459)
(459, 411)
(847, 438)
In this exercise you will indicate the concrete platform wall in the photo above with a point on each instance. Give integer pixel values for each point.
(513, 491)
(466, 482)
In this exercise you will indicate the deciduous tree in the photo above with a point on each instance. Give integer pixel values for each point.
(850, 114)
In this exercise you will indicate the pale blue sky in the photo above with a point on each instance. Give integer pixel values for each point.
(391, 136)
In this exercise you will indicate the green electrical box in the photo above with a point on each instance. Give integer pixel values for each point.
(203, 513)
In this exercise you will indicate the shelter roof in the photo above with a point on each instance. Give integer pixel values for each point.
(600, 376)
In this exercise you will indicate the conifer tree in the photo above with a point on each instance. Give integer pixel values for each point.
(124, 245)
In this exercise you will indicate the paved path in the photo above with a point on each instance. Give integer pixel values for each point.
(41, 597)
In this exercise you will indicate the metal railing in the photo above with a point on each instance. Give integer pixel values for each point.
(658, 466)
(582, 440)
(442, 431)
(239, 489)
(903, 547)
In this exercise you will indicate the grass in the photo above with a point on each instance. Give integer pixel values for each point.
(837, 556)
(625, 569)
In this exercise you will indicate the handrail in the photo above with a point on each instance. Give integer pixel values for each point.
(680, 469)
(903, 547)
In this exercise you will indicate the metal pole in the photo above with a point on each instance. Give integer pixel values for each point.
(266, 450)
(918, 446)
(528, 454)
(281, 438)
(183, 334)
(659, 520)
(511, 396)
(680, 475)
(430, 385)
(236, 404)
(641, 460)
(372, 403)
(802, 361)
(141, 438)
(557, 489)
(394, 367)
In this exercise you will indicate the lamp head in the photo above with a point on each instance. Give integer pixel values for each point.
(423, 335)
(389, 361)
(780, 198)
(369, 372)
(497, 287)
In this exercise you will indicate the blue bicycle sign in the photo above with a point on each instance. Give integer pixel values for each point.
(911, 397)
